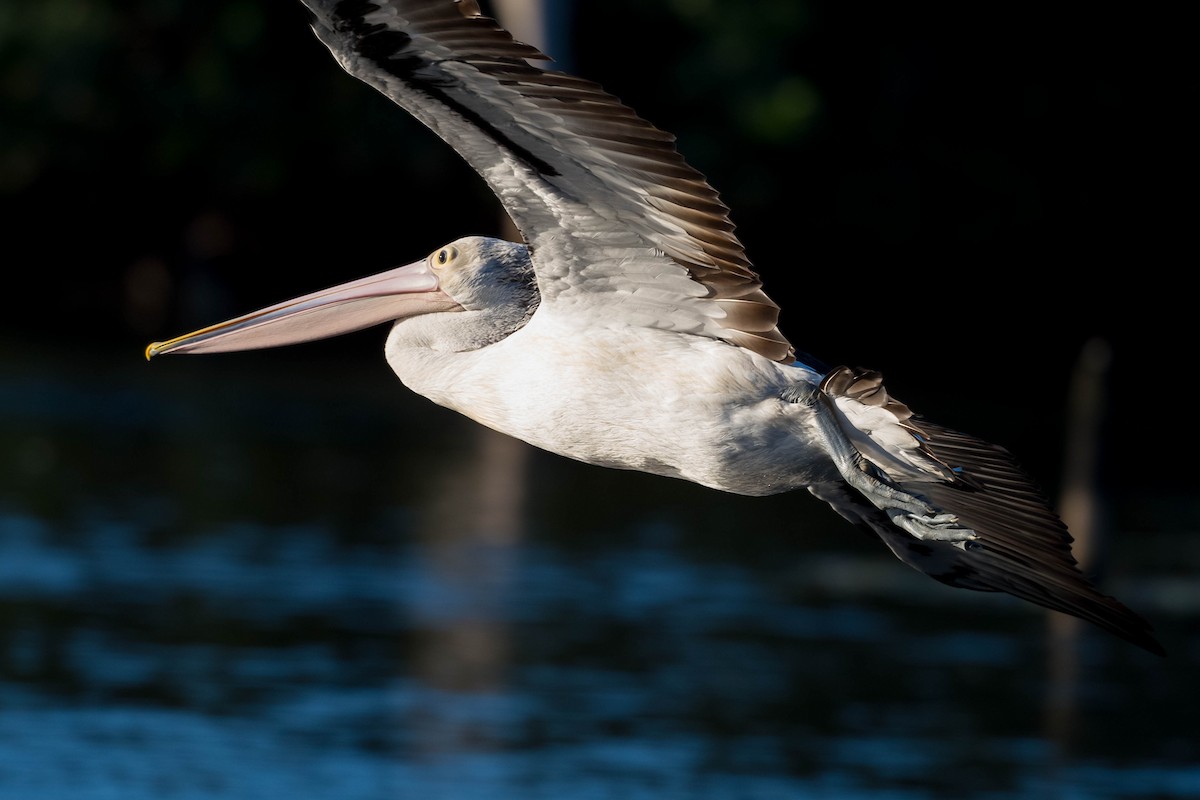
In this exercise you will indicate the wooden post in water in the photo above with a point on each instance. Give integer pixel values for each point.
(1081, 505)
(472, 526)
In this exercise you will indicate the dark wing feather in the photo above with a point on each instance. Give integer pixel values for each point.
(1022, 547)
(1037, 567)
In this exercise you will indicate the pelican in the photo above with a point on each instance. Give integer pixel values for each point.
(628, 328)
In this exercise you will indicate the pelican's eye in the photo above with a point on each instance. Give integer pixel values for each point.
(444, 256)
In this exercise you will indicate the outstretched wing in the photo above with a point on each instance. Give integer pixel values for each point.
(617, 221)
(1020, 545)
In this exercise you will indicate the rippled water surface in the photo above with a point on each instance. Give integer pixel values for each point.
(222, 580)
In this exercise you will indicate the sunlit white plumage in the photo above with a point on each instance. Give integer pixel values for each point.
(628, 329)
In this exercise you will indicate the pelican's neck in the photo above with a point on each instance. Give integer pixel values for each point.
(456, 331)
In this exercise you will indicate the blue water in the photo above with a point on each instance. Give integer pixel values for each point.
(261, 576)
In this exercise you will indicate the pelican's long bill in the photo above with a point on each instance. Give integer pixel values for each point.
(401, 292)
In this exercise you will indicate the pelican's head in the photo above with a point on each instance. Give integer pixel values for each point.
(474, 273)
(485, 274)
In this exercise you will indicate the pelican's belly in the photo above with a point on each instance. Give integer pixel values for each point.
(660, 402)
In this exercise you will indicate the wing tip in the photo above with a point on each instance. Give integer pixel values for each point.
(1121, 621)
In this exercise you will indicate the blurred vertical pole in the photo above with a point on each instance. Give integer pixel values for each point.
(473, 525)
(545, 25)
(1081, 507)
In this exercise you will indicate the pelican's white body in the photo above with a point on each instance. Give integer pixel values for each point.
(632, 398)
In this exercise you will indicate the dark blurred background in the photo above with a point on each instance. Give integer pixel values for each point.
(282, 574)
(960, 197)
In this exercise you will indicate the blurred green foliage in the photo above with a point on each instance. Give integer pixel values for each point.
(968, 191)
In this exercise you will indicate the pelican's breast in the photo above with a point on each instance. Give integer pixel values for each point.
(633, 398)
